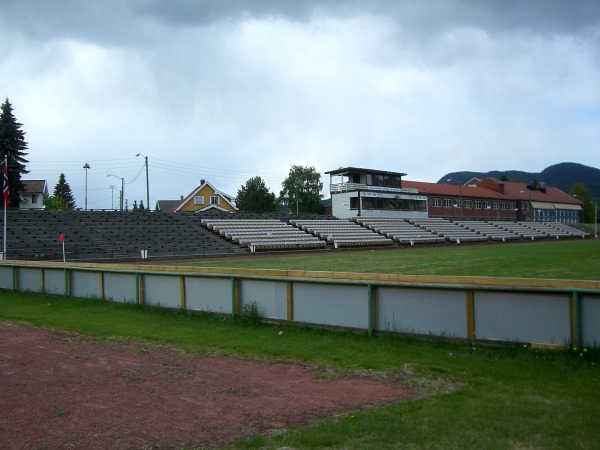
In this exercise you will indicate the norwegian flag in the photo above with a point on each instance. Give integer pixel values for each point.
(5, 184)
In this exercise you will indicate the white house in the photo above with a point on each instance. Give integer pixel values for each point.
(33, 194)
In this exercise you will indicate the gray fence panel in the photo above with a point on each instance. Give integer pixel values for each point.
(6, 278)
(270, 297)
(345, 306)
(54, 281)
(162, 291)
(120, 287)
(85, 284)
(542, 318)
(590, 321)
(30, 279)
(422, 311)
(208, 294)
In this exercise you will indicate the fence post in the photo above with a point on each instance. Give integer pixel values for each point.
(574, 309)
(235, 297)
(471, 314)
(372, 305)
(290, 301)
(182, 297)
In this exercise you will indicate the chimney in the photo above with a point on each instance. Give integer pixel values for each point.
(202, 182)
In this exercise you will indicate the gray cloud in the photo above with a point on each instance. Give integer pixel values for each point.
(226, 90)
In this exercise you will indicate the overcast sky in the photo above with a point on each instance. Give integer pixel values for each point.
(226, 90)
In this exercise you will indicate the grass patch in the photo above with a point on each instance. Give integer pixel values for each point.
(509, 396)
(567, 259)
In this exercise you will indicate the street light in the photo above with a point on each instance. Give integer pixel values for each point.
(86, 166)
(147, 184)
(122, 188)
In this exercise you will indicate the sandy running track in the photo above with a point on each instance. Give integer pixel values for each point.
(64, 390)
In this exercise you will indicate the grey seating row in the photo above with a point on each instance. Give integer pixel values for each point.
(343, 233)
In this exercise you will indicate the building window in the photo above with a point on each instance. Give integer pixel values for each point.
(34, 198)
(436, 202)
(496, 206)
(468, 204)
(448, 202)
(477, 204)
(353, 202)
(486, 205)
(199, 200)
(392, 204)
(214, 199)
(458, 203)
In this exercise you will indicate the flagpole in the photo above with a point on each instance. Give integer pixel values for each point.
(5, 189)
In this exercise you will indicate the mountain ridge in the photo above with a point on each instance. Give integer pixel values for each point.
(562, 176)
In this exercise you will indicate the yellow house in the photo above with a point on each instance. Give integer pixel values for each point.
(206, 197)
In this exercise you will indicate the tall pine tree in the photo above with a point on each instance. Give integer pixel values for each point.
(63, 194)
(13, 147)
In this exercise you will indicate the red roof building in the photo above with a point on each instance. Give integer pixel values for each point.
(375, 193)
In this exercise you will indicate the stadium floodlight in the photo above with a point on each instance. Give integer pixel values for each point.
(86, 166)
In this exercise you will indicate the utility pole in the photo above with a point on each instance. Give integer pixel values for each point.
(122, 188)
(147, 183)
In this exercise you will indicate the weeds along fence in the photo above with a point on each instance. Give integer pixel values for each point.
(533, 311)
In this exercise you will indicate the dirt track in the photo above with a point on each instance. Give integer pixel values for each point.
(63, 390)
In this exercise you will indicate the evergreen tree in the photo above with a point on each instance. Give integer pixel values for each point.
(135, 206)
(62, 191)
(302, 190)
(255, 196)
(13, 146)
(141, 207)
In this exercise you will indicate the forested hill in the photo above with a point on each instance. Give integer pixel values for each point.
(562, 175)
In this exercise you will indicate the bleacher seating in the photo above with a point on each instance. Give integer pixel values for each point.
(573, 232)
(490, 230)
(548, 229)
(266, 234)
(342, 233)
(521, 229)
(400, 230)
(449, 230)
(114, 235)
(108, 235)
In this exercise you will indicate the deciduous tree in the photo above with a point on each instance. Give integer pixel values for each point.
(580, 191)
(301, 190)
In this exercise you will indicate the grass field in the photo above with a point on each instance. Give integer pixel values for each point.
(507, 397)
(576, 260)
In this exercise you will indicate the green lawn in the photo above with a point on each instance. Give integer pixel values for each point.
(576, 260)
(502, 396)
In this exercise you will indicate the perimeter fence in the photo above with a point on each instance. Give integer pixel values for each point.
(542, 313)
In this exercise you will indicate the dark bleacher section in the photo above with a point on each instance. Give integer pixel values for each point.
(121, 236)
(109, 236)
